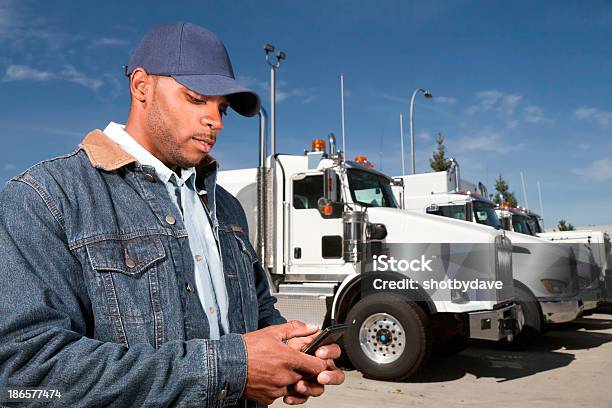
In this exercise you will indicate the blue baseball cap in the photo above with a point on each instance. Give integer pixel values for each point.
(197, 59)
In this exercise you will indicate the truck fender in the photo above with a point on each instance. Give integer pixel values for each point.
(355, 286)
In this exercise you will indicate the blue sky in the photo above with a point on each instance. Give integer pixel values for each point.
(517, 86)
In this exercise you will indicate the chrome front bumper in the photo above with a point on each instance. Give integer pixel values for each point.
(497, 324)
(560, 311)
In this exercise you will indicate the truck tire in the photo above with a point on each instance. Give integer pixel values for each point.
(533, 326)
(388, 337)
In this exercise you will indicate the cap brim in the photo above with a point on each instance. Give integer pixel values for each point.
(241, 99)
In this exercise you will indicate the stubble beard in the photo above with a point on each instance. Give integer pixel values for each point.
(159, 131)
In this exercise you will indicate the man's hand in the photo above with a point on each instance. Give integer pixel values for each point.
(305, 388)
(273, 366)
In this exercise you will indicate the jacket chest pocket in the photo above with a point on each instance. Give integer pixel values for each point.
(127, 273)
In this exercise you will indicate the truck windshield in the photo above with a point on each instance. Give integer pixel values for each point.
(371, 190)
(519, 223)
(450, 211)
(485, 214)
(534, 224)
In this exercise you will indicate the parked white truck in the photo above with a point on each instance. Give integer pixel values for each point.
(587, 264)
(594, 255)
(319, 222)
(545, 281)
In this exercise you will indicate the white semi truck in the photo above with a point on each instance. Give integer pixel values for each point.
(586, 258)
(545, 281)
(318, 221)
(594, 260)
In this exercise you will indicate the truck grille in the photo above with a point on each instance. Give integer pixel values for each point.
(503, 267)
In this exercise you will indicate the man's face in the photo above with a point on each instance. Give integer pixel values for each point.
(182, 126)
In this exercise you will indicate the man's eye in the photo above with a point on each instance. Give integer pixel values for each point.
(196, 100)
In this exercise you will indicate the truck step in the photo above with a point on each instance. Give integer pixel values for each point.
(309, 288)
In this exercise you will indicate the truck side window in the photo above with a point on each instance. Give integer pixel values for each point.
(307, 191)
(331, 246)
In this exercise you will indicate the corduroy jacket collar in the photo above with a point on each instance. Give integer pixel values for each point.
(105, 154)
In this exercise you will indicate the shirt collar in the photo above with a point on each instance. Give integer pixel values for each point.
(116, 132)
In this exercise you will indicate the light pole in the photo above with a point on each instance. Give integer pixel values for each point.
(427, 94)
(269, 48)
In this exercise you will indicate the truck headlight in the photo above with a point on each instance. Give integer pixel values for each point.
(554, 285)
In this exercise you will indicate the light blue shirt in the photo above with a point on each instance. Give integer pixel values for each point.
(209, 277)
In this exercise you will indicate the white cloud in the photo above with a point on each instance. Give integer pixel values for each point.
(533, 114)
(391, 98)
(512, 124)
(306, 95)
(445, 99)
(109, 41)
(254, 83)
(487, 140)
(494, 100)
(601, 117)
(22, 72)
(71, 74)
(9, 167)
(423, 135)
(598, 170)
(67, 73)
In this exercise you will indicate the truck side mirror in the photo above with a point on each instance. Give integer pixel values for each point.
(433, 209)
(330, 185)
(398, 182)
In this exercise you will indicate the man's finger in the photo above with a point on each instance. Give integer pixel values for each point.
(331, 377)
(309, 389)
(328, 351)
(294, 399)
(292, 329)
(308, 364)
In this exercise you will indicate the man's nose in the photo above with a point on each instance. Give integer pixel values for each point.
(213, 120)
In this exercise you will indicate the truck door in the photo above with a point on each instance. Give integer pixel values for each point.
(315, 244)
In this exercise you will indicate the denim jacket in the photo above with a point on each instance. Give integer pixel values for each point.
(97, 294)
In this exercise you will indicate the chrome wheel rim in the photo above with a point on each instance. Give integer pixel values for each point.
(382, 338)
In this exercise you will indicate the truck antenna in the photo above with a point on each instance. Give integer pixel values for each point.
(541, 206)
(342, 112)
(524, 191)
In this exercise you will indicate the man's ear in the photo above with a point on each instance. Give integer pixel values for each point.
(141, 84)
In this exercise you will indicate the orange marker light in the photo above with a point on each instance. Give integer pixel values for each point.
(318, 145)
(364, 161)
(327, 210)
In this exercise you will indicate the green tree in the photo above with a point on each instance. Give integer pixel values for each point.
(502, 188)
(438, 161)
(564, 226)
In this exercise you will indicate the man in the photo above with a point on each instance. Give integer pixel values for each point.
(127, 278)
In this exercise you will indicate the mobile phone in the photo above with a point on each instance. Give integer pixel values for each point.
(328, 336)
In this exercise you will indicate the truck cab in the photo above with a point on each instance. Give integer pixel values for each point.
(320, 223)
(545, 281)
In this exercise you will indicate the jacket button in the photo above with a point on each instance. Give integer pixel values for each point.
(223, 394)
(129, 262)
(149, 177)
(198, 258)
(188, 287)
(170, 219)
